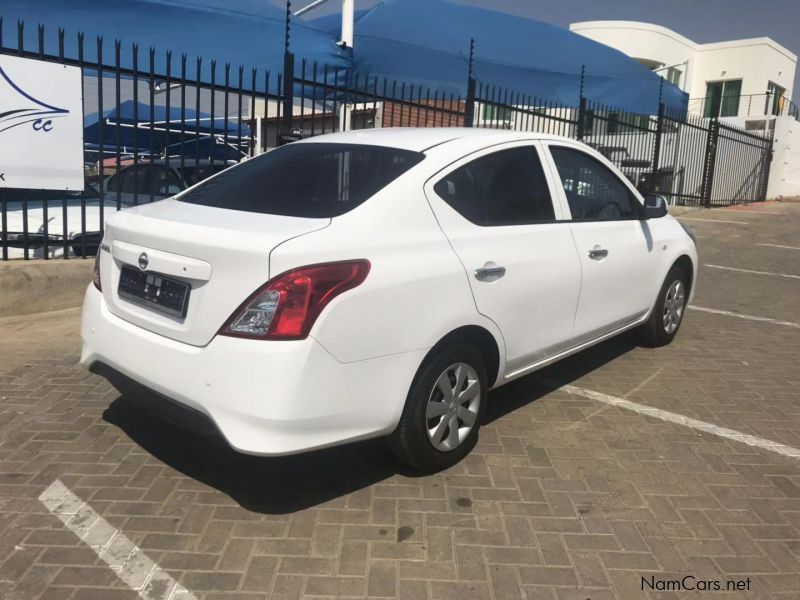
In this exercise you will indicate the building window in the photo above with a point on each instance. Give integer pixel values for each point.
(674, 76)
(776, 98)
(722, 98)
(493, 112)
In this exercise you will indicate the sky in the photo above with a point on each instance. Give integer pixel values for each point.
(699, 20)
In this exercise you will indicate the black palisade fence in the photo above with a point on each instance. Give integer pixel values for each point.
(157, 123)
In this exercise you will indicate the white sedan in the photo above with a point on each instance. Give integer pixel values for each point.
(379, 283)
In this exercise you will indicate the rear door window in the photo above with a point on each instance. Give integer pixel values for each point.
(313, 180)
(503, 188)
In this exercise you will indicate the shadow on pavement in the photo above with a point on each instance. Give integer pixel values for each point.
(279, 485)
(272, 485)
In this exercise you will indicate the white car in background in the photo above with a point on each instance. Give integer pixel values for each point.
(379, 283)
(77, 216)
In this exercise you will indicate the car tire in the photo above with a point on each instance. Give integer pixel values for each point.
(425, 437)
(667, 315)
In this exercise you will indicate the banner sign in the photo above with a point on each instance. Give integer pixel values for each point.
(41, 125)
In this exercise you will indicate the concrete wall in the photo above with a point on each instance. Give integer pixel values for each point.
(33, 286)
(784, 176)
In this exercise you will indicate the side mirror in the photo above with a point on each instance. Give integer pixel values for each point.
(655, 206)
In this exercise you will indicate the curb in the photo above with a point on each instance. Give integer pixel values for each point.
(676, 211)
(37, 286)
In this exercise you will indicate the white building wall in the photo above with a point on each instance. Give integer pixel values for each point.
(784, 175)
(643, 41)
(755, 61)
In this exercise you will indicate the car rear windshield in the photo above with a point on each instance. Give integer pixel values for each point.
(315, 180)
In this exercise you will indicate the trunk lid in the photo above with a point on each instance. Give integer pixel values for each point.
(222, 255)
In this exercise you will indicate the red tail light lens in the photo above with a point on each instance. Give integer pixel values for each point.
(286, 307)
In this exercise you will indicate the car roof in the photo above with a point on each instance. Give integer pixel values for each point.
(420, 139)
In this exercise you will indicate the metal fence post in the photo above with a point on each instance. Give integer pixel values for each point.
(3, 225)
(710, 162)
(581, 106)
(288, 76)
(469, 106)
(766, 165)
(652, 186)
(581, 118)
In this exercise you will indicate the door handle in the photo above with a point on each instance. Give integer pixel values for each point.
(598, 253)
(489, 272)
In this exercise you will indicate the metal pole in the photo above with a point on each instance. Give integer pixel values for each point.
(581, 106)
(469, 105)
(710, 162)
(288, 74)
(311, 6)
(348, 18)
(654, 187)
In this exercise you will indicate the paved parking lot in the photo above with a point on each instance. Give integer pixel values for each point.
(616, 474)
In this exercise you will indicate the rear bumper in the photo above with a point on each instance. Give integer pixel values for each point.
(265, 398)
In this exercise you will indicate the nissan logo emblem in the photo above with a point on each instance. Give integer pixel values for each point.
(143, 261)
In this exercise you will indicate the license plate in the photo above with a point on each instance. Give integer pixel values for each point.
(162, 294)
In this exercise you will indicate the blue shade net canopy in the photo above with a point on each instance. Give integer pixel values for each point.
(420, 42)
(247, 33)
(175, 132)
(427, 42)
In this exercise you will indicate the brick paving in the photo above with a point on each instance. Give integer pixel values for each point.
(563, 499)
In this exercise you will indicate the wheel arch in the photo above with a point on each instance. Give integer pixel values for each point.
(685, 262)
(483, 341)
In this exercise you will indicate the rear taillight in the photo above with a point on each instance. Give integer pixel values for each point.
(286, 307)
(96, 274)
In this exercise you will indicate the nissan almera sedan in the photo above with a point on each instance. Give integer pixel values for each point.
(379, 283)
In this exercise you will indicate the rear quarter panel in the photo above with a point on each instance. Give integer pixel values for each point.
(416, 292)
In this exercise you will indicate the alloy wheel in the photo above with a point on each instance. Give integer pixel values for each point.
(674, 304)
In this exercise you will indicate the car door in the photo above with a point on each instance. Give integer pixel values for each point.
(496, 208)
(614, 243)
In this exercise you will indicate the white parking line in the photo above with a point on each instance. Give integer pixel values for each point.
(713, 220)
(123, 556)
(665, 415)
(727, 313)
(786, 275)
(780, 246)
(645, 382)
